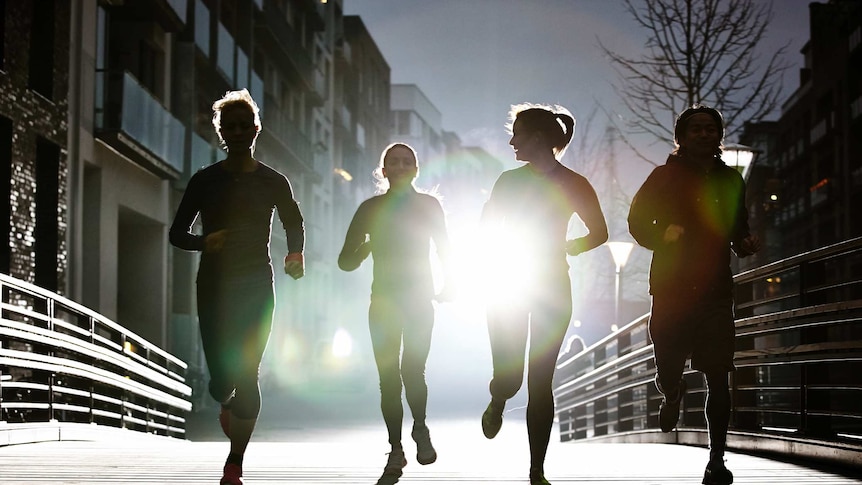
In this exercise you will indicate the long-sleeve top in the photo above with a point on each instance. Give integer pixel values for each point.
(531, 212)
(400, 227)
(710, 207)
(241, 203)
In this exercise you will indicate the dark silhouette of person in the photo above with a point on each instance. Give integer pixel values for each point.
(235, 199)
(396, 228)
(527, 215)
(691, 213)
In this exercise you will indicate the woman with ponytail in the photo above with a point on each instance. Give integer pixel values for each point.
(528, 214)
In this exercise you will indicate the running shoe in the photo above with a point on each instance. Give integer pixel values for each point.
(425, 453)
(538, 478)
(716, 473)
(232, 475)
(395, 464)
(492, 420)
(668, 411)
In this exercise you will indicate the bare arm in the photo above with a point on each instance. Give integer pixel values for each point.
(590, 211)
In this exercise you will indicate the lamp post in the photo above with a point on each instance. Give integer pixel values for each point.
(739, 156)
(620, 251)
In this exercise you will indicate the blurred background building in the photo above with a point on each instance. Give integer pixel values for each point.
(806, 183)
(105, 113)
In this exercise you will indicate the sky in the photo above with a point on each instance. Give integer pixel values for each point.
(475, 58)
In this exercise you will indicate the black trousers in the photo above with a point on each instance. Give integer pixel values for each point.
(235, 315)
(542, 317)
(396, 319)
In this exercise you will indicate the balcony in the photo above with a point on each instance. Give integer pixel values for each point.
(288, 136)
(169, 14)
(135, 123)
(203, 154)
(289, 50)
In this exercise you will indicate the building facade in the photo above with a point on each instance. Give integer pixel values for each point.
(34, 151)
(105, 114)
(143, 77)
(807, 181)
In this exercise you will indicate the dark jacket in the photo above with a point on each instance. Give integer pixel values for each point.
(710, 206)
(242, 204)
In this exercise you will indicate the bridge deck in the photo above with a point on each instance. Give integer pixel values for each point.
(356, 456)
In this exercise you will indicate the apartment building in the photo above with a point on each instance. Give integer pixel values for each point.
(34, 151)
(807, 181)
(105, 113)
(144, 77)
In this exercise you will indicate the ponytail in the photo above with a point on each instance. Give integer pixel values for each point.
(568, 131)
(554, 122)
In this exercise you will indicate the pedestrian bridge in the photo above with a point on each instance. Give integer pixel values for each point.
(356, 456)
(83, 400)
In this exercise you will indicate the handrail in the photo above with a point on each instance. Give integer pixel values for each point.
(62, 362)
(798, 359)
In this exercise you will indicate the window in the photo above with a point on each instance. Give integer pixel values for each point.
(47, 200)
(3, 34)
(401, 121)
(5, 191)
(101, 67)
(149, 68)
(202, 27)
(41, 68)
(360, 135)
(242, 79)
(225, 56)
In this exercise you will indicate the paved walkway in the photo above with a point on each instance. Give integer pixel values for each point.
(357, 455)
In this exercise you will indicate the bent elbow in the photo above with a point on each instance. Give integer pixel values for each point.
(344, 263)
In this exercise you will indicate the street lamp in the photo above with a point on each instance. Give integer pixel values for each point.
(739, 156)
(620, 251)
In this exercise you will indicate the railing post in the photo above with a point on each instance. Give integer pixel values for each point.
(4, 299)
(803, 400)
(49, 312)
(91, 323)
(803, 300)
(2, 416)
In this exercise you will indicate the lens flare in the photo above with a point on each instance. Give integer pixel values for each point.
(342, 344)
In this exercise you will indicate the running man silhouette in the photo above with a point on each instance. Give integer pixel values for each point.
(528, 214)
(235, 199)
(691, 213)
(396, 228)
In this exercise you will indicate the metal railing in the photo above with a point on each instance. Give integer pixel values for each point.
(61, 362)
(798, 384)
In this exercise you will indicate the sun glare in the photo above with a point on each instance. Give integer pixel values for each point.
(342, 344)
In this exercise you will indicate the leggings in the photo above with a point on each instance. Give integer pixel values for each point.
(704, 330)
(545, 316)
(393, 319)
(235, 323)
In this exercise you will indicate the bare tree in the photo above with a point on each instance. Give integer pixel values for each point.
(698, 51)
